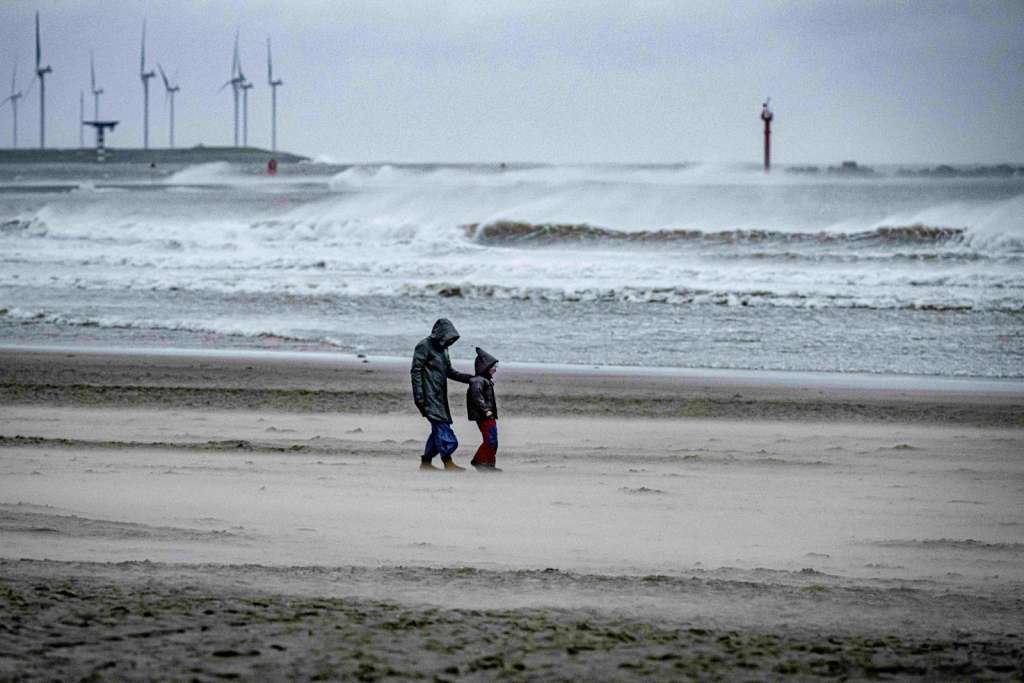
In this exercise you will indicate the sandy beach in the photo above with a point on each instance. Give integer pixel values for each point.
(260, 515)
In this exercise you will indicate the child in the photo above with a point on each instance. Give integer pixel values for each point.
(483, 409)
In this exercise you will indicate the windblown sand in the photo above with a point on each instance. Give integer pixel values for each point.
(201, 516)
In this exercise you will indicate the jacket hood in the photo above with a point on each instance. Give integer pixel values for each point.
(484, 362)
(444, 333)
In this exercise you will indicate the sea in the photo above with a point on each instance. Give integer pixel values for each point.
(893, 270)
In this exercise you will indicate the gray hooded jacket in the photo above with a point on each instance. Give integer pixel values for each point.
(431, 369)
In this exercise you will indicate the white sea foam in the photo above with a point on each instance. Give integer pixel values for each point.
(688, 235)
(213, 172)
(323, 159)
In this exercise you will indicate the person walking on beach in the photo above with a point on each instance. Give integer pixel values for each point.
(483, 409)
(431, 369)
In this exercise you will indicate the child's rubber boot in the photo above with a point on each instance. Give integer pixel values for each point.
(427, 466)
(450, 466)
(484, 467)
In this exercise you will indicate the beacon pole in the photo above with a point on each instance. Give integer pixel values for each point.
(766, 116)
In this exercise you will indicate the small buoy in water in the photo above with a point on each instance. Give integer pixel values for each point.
(272, 167)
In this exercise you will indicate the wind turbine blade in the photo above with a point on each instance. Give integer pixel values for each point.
(39, 49)
(31, 84)
(92, 71)
(226, 85)
(142, 66)
(238, 60)
(14, 75)
(270, 64)
(235, 68)
(163, 76)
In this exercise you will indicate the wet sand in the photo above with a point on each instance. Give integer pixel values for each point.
(319, 383)
(219, 516)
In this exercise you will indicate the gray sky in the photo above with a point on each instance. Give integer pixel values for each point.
(546, 81)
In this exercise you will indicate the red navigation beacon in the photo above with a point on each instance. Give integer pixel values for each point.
(767, 116)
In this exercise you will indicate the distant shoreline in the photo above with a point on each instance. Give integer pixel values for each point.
(184, 155)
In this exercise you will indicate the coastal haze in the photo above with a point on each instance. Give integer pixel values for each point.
(753, 424)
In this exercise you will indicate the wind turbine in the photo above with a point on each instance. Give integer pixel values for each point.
(235, 82)
(171, 89)
(81, 118)
(41, 72)
(96, 92)
(274, 85)
(13, 99)
(145, 76)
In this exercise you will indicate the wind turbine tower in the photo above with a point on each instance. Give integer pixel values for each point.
(245, 87)
(274, 85)
(13, 99)
(41, 72)
(145, 76)
(171, 89)
(96, 92)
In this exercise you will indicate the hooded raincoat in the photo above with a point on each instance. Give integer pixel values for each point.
(480, 397)
(431, 369)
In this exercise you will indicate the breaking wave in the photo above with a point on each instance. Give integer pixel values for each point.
(914, 242)
(213, 172)
(966, 544)
(681, 296)
(511, 232)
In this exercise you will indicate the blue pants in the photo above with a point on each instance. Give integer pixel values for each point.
(442, 441)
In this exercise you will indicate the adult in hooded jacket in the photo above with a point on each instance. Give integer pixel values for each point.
(431, 370)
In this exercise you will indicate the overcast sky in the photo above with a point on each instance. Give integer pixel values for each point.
(523, 80)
